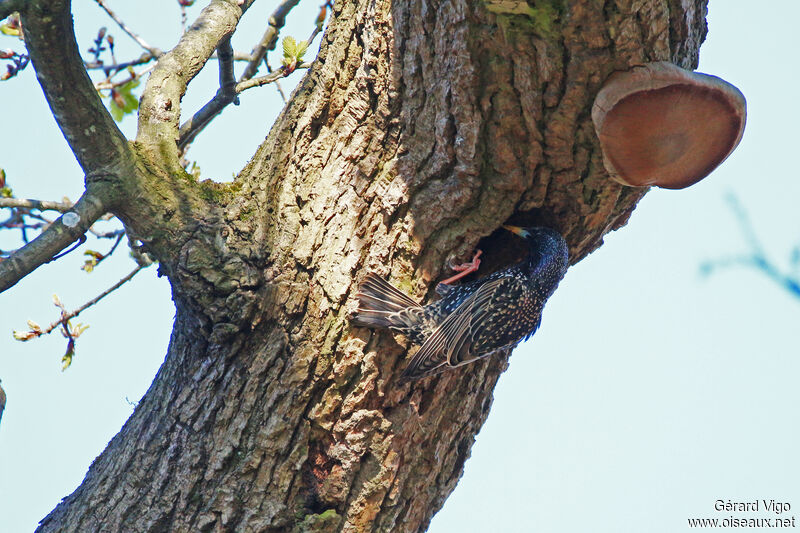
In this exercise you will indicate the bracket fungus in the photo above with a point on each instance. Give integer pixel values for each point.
(662, 125)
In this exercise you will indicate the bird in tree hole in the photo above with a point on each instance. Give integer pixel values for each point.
(475, 319)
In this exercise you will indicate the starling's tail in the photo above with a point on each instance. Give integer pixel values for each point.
(380, 304)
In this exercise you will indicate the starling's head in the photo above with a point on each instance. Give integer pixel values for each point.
(545, 243)
(538, 234)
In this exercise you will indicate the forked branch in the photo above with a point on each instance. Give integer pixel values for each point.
(228, 92)
(159, 111)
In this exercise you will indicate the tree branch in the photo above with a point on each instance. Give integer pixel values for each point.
(42, 205)
(86, 124)
(155, 52)
(98, 145)
(227, 80)
(70, 227)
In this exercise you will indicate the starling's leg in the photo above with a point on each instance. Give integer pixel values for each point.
(463, 270)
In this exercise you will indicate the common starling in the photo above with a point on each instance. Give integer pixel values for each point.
(473, 320)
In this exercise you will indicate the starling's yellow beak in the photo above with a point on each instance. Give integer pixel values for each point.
(518, 231)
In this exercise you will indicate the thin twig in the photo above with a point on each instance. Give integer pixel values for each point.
(269, 78)
(192, 127)
(794, 261)
(106, 234)
(106, 292)
(81, 240)
(277, 83)
(66, 316)
(155, 52)
(95, 258)
(269, 39)
(43, 205)
(107, 84)
(744, 223)
(320, 22)
(117, 67)
(183, 18)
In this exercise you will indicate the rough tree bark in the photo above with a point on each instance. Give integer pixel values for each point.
(421, 128)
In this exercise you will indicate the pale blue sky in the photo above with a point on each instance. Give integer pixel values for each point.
(648, 393)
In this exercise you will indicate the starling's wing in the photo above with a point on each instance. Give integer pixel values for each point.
(511, 313)
(499, 317)
(433, 352)
(450, 343)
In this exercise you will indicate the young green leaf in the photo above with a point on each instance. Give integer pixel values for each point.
(302, 46)
(78, 329)
(292, 53)
(8, 29)
(289, 48)
(123, 101)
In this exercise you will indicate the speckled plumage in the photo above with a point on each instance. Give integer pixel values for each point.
(475, 319)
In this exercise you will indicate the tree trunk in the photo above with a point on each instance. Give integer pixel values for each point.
(422, 127)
